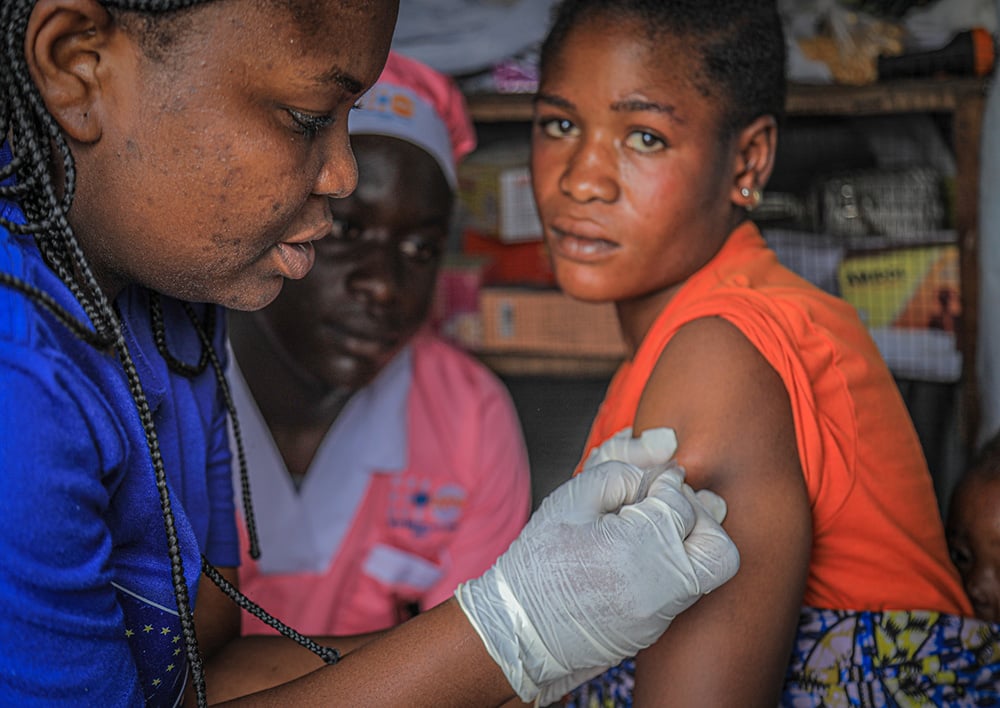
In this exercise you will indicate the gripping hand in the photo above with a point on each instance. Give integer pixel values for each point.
(595, 576)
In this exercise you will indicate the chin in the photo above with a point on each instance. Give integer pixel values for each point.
(248, 299)
(584, 290)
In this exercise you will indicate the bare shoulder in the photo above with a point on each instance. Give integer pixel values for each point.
(736, 436)
(724, 400)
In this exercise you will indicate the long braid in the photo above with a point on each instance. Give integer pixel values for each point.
(208, 353)
(173, 548)
(329, 655)
(37, 142)
(34, 131)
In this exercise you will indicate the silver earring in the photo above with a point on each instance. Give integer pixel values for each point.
(753, 197)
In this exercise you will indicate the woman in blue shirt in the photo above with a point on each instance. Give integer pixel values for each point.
(164, 153)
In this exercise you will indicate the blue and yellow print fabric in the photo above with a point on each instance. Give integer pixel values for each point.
(842, 659)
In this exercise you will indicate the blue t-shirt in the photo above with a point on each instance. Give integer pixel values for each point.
(87, 608)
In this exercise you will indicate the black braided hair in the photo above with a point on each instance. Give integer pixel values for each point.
(37, 143)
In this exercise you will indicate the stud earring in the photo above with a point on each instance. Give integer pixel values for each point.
(753, 197)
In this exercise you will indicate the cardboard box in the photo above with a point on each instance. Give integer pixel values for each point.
(455, 308)
(547, 322)
(910, 300)
(910, 288)
(494, 194)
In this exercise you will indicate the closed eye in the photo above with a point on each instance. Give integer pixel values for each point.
(308, 124)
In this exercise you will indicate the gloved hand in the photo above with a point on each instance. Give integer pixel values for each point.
(651, 452)
(593, 578)
(653, 447)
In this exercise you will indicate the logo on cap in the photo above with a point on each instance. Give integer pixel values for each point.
(386, 100)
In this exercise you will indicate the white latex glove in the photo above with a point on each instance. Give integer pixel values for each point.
(653, 447)
(594, 578)
(652, 452)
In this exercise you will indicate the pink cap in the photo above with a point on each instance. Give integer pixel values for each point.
(416, 103)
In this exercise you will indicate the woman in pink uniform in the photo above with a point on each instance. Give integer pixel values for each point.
(387, 465)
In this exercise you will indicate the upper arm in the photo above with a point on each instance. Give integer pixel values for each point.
(736, 436)
(217, 617)
(62, 626)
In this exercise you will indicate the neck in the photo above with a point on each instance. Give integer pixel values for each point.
(298, 411)
(286, 396)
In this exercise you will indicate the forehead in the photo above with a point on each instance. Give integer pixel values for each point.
(267, 34)
(394, 173)
(978, 498)
(349, 25)
(402, 154)
(620, 60)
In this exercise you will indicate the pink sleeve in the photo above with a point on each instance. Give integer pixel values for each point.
(501, 501)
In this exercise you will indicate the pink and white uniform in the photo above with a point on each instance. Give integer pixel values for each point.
(411, 492)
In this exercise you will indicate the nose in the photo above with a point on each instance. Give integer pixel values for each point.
(338, 175)
(378, 274)
(591, 173)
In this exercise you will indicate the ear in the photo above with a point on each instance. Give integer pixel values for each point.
(756, 145)
(63, 47)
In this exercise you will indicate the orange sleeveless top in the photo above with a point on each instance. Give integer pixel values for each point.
(878, 539)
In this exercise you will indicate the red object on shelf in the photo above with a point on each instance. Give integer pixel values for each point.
(510, 263)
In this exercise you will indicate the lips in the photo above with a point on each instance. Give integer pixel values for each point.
(580, 241)
(295, 260)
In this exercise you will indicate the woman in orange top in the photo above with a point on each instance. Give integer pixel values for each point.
(655, 130)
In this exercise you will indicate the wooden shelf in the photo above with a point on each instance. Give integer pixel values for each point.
(507, 364)
(904, 96)
(909, 96)
(499, 107)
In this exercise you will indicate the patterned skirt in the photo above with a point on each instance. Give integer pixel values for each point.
(893, 659)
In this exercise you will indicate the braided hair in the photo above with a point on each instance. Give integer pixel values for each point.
(37, 143)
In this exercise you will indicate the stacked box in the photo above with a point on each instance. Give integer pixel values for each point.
(548, 322)
(455, 308)
(494, 194)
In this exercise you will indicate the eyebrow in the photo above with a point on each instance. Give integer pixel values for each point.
(338, 76)
(552, 100)
(626, 106)
(637, 104)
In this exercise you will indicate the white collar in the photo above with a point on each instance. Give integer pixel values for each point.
(302, 529)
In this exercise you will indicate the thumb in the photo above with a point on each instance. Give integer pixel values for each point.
(654, 446)
(714, 557)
